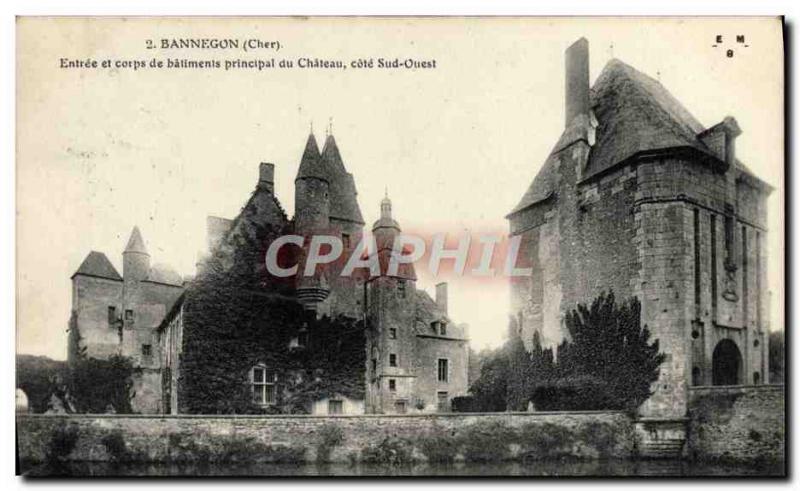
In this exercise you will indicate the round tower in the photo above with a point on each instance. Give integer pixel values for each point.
(135, 258)
(311, 216)
(311, 192)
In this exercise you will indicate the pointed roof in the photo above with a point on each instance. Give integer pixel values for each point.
(634, 114)
(97, 264)
(163, 273)
(331, 156)
(344, 203)
(310, 162)
(136, 243)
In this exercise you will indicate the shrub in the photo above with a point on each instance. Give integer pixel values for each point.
(465, 404)
(330, 436)
(488, 442)
(439, 447)
(546, 440)
(390, 451)
(62, 443)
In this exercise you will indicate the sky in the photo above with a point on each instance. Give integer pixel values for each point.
(100, 151)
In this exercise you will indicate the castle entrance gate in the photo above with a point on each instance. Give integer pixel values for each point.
(726, 364)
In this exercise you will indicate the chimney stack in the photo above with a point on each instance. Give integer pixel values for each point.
(266, 176)
(441, 297)
(577, 80)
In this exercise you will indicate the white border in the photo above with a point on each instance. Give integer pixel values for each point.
(10, 9)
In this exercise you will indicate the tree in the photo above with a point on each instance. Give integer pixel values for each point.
(607, 362)
(608, 356)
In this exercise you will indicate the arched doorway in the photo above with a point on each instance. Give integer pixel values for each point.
(727, 364)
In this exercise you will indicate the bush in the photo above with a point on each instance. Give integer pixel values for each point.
(62, 443)
(185, 448)
(465, 404)
(546, 440)
(439, 446)
(488, 442)
(390, 451)
(330, 436)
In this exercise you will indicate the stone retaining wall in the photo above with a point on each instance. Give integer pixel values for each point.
(737, 423)
(493, 436)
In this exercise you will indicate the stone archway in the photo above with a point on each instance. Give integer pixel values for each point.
(726, 364)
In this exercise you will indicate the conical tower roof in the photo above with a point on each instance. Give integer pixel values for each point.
(344, 203)
(331, 157)
(311, 162)
(136, 243)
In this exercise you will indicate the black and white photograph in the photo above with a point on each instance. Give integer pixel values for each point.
(392, 247)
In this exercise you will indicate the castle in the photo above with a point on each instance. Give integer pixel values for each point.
(416, 356)
(640, 198)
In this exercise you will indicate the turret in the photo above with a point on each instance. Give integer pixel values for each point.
(385, 229)
(312, 192)
(135, 258)
(311, 216)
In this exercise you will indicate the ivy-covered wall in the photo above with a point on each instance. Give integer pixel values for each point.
(237, 316)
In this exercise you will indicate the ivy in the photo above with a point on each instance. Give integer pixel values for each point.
(237, 315)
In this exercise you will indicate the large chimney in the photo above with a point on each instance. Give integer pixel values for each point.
(577, 80)
(266, 176)
(441, 297)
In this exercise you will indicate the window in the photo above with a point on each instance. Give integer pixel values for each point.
(392, 333)
(374, 365)
(442, 402)
(335, 406)
(263, 382)
(346, 241)
(756, 378)
(392, 384)
(112, 316)
(443, 372)
(435, 326)
(128, 315)
(400, 407)
(443, 328)
(392, 360)
(401, 288)
(147, 350)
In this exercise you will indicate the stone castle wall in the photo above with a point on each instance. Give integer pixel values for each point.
(170, 438)
(737, 423)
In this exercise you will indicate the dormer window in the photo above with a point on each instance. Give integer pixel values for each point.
(439, 327)
(401, 288)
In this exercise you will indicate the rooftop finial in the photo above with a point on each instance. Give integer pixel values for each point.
(330, 127)
(311, 125)
(386, 192)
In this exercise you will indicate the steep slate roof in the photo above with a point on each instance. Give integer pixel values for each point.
(342, 185)
(97, 264)
(310, 162)
(136, 243)
(634, 114)
(162, 273)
